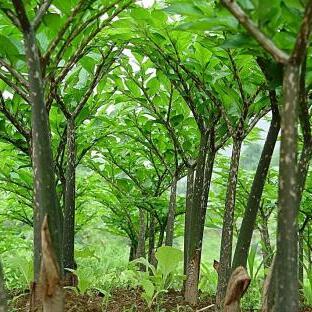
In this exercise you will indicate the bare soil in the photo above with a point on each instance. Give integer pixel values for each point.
(121, 300)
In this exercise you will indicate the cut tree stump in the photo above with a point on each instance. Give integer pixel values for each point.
(237, 286)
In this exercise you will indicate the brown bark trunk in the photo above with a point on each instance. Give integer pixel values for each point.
(171, 212)
(250, 214)
(188, 210)
(287, 249)
(140, 250)
(228, 222)
(300, 268)
(45, 198)
(151, 241)
(267, 251)
(194, 241)
(50, 275)
(69, 199)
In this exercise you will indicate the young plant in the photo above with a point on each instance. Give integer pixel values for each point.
(156, 281)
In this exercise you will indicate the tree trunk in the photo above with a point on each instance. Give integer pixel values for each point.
(69, 199)
(140, 250)
(207, 181)
(171, 212)
(269, 290)
(188, 210)
(3, 298)
(132, 252)
(44, 180)
(250, 215)
(300, 268)
(52, 295)
(287, 238)
(267, 251)
(194, 239)
(161, 237)
(151, 241)
(228, 221)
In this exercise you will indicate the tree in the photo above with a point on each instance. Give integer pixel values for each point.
(287, 256)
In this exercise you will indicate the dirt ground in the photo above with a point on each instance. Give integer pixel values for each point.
(121, 300)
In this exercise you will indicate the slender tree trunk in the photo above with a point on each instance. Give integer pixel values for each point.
(188, 211)
(140, 250)
(300, 268)
(151, 241)
(250, 215)
(3, 298)
(132, 252)
(161, 237)
(70, 190)
(171, 212)
(194, 239)
(45, 198)
(267, 251)
(228, 221)
(287, 238)
(269, 290)
(207, 182)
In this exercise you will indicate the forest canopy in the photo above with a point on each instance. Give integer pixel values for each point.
(155, 155)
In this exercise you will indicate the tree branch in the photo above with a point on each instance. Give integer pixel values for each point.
(302, 41)
(14, 73)
(21, 15)
(41, 12)
(16, 88)
(13, 120)
(279, 55)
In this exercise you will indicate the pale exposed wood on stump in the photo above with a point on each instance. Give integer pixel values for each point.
(50, 280)
(237, 286)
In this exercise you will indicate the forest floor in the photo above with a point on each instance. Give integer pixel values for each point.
(122, 300)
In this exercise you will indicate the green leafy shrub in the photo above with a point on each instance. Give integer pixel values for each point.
(155, 281)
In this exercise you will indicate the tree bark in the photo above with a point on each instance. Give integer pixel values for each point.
(140, 250)
(132, 252)
(250, 214)
(194, 239)
(228, 221)
(267, 251)
(3, 297)
(52, 294)
(45, 198)
(287, 249)
(162, 229)
(171, 212)
(300, 268)
(188, 210)
(69, 198)
(151, 240)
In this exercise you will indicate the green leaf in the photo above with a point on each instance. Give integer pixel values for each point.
(211, 23)
(239, 41)
(168, 259)
(7, 48)
(184, 8)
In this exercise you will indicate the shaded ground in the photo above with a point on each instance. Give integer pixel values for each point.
(121, 300)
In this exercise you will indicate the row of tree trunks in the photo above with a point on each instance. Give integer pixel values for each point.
(286, 262)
